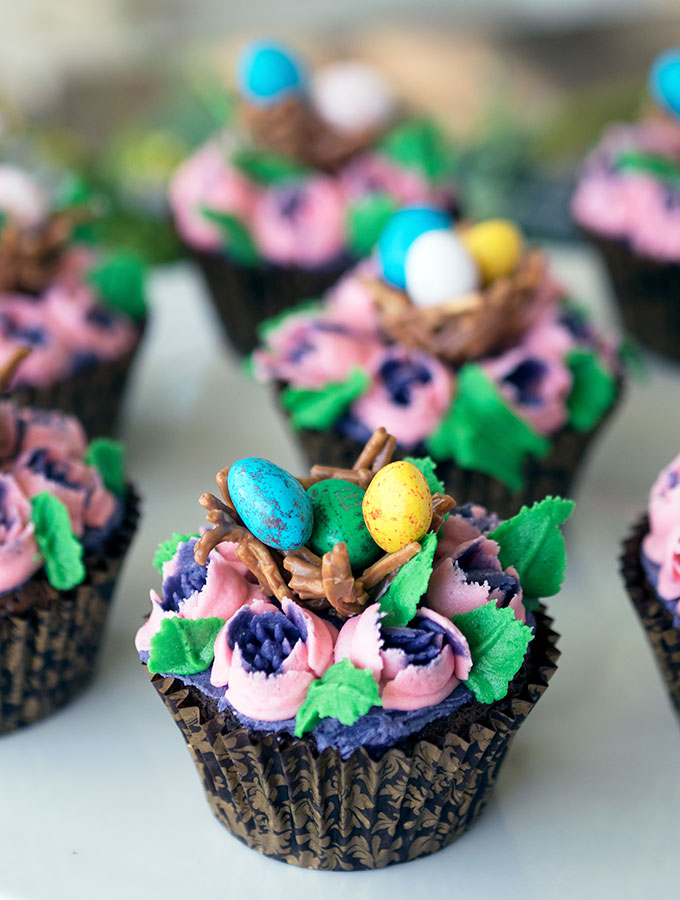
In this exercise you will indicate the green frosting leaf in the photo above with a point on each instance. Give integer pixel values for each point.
(429, 469)
(166, 549)
(532, 542)
(273, 323)
(410, 583)
(183, 646)
(366, 219)
(661, 167)
(120, 284)
(321, 409)
(267, 168)
(498, 643)
(73, 190)
(593, 390)
(419, 144)
(236, 237)
(109, 458)
(59, 547)
(481, 432)
(343, 692)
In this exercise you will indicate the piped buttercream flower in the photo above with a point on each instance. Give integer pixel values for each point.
(267, 657)
(415, 666)
(19, 557)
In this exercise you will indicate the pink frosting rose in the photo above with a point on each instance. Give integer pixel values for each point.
(19, 557)
(662, 543)
(301, 222)
(23, 324)
(207, 180)
(268, 657)
(351, 300)
(415, 666)
(28, 429)
(409, 397)
(373, 173)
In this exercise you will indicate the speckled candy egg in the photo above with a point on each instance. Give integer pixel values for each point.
(351, 96)
(268, 72)
(338, 516)
(397, 506)
(439, 268)
(271, 503)
(398, 235)
(496, 246)
(664, 80)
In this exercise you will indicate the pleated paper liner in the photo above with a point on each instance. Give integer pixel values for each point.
(656, 619)
(244, 296)
(279, 796)
(648, 294)
(94, 396)
(49, 639)
(555, 474)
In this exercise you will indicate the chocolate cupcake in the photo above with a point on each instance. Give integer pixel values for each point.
(81, 311)
(627, 201)
(649, 565)
(297, 186)
(67, 520)
(462, 343)
(349, 655)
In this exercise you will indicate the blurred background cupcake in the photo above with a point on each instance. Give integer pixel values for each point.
(461, 342)
(628, 201)
(298, 183)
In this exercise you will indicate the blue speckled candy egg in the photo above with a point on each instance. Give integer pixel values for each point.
(398, 235)
(268, 71)
(271, 503)
(664, 80)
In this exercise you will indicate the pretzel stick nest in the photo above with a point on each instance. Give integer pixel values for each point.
(319, 583)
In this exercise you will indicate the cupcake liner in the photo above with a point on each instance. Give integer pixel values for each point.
(648, 293)
(94, 395)
(50, 639)
(555, 474)
(279, 796)
(245, 296)
(656, 619)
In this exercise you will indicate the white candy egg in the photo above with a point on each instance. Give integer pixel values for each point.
(439, 268)
(21, 198)
(351, 96)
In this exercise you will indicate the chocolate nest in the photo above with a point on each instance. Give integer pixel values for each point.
(29, 258)
(319, 583)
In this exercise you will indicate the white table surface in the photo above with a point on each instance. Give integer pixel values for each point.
(102, 802)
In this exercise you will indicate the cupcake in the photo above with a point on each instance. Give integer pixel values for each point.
(297, 186)
(650, 565)
(349, 655)
(79, 310)
(627, 201)
(460, 341)
(67, 520)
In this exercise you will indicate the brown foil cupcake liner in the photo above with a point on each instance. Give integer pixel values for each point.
(245, 296)
(95, 395)
(648, 293)
(554, 474)
(279, 796)
(656, 619)
(49, 639)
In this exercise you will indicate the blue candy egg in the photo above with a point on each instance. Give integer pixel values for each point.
(398, 235)
(664, 80)
(267, 72)
(272, 504)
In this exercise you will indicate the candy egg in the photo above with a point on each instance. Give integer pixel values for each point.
(272, 504)
(439, 268)
(338, 516)
(398, 235)
(495, 245)
(351, 96)
(267, 72)
(21, 198)
(397, 506)
(664, 80)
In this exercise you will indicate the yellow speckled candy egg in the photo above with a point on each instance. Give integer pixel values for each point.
(397, 506)
(495, 245)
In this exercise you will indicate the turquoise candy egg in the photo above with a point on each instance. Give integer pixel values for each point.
(664, 80)
(267, 72)
(398, 235)
(271, 503)
(338, 517)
